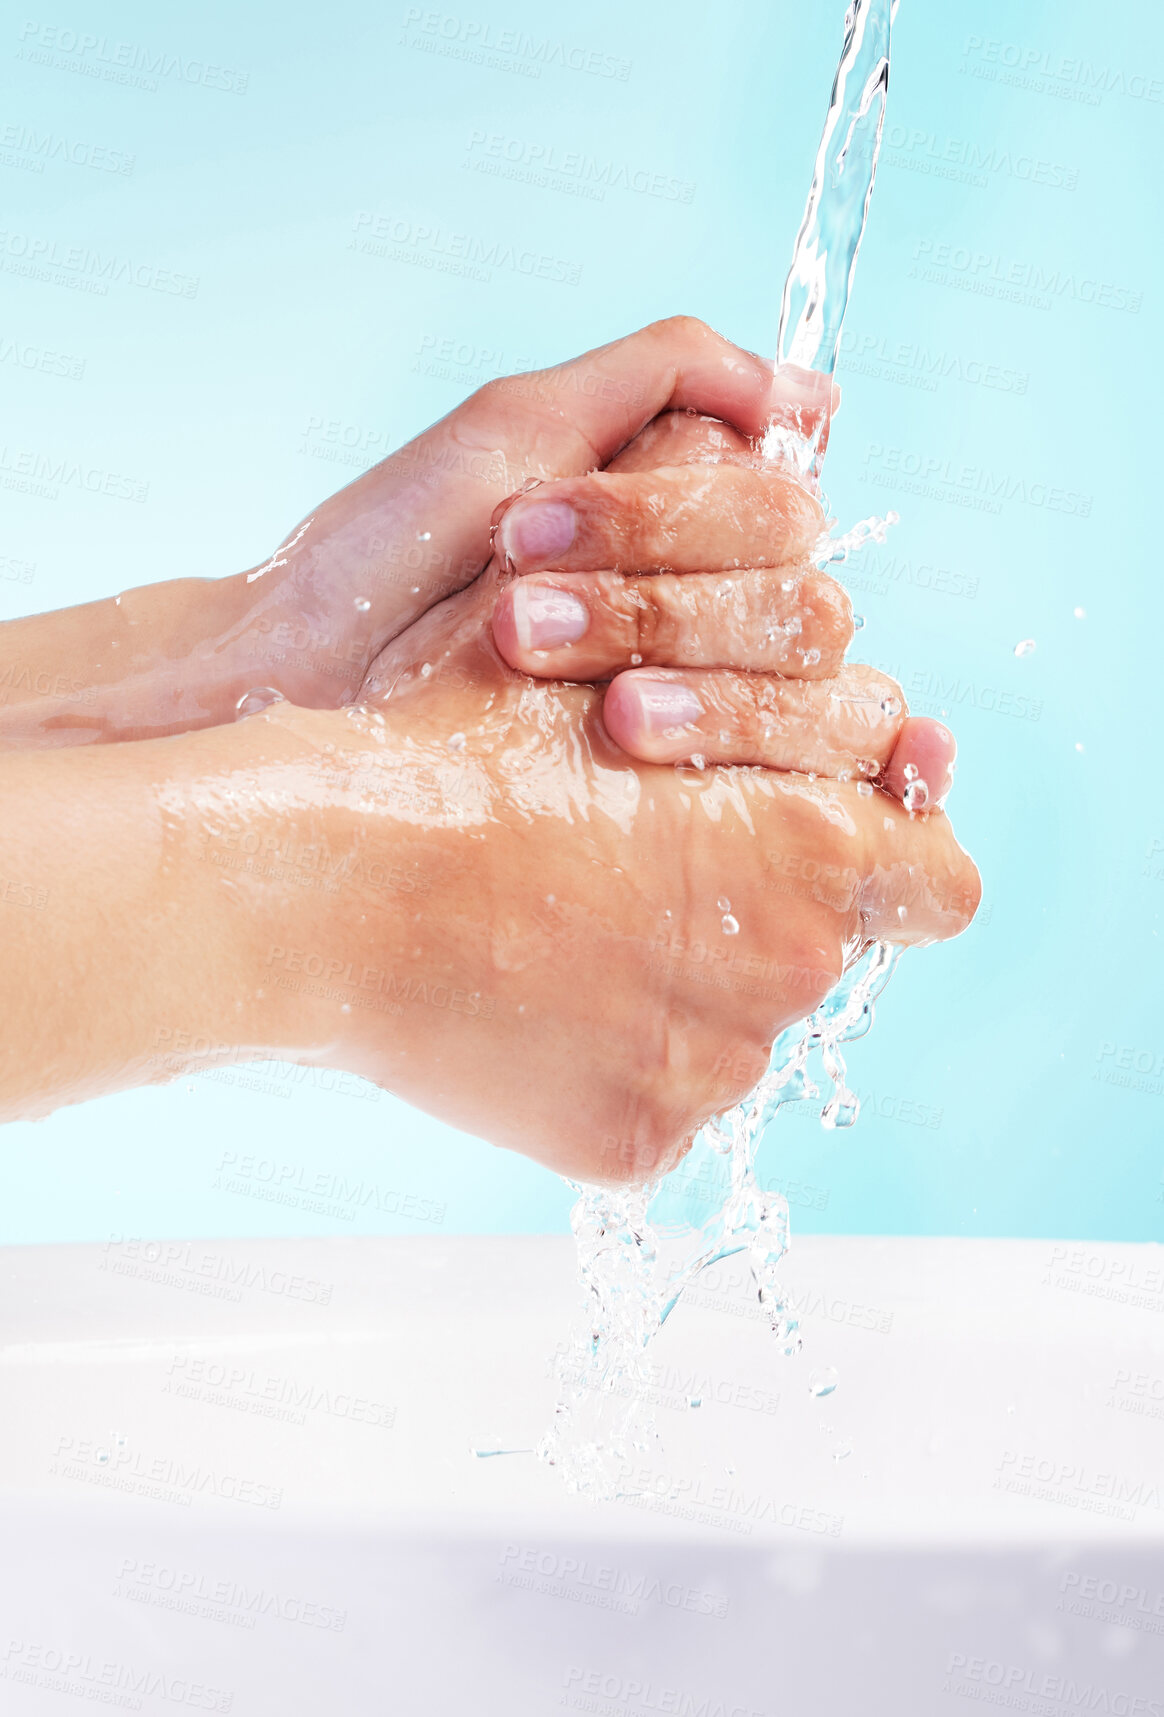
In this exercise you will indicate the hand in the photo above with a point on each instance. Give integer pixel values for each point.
(683, 574)
(464, 892)
(184, 654)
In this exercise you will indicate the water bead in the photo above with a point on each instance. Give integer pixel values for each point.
(363, 604)
(731, 926)
(1025, 648)
(916, 796)
(822, 1381)
(258, 698)
(911, 772)
(865, 788)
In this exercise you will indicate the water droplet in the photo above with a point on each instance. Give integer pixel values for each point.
(636, 660)
(890, 706)
(792, 626)
(916, 796)
(1079, 745)
(865, 788)
(788, 585)
(840, 1111)
(103, 1456)
(811, 658)
(259, 697)
(902, 914)
(456, 742)
(858, 622)
(695, 1401)
(1080, 613)
(868, 766)
(724, 903)
(1025, 648)
(823, 1380)
(426, 670)
(424, 536)
(842, 1451)
(911, 772)
(698, 760)
(363, 604)
(731, 925)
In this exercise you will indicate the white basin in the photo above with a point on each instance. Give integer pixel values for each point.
(237, 1476)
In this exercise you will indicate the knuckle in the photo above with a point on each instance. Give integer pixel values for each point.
(682, 328)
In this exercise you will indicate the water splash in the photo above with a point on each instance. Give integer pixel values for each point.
(640, 1248)
(816, 292)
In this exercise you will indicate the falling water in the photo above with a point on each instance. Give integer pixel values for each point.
(640, 1248)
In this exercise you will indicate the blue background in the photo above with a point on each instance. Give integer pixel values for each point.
(1014, 1082)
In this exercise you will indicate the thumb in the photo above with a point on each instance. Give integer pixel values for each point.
(415, 528)
(919, 884)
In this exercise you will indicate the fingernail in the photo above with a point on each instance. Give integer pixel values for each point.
(545, 618)
(537, 530)
(664, 705)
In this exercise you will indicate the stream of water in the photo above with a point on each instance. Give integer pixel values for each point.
(640, 1248)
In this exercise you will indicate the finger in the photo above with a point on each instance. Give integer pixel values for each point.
(845, 726)
(415, 528)
(919, 885)
(687, 518)
(921, 771)
(589, 626)
(805, 402)
(685, 438)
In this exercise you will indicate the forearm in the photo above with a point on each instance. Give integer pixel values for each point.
(162, 659)
(125, 956)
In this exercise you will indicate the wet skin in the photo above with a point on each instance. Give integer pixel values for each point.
(464, 888)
